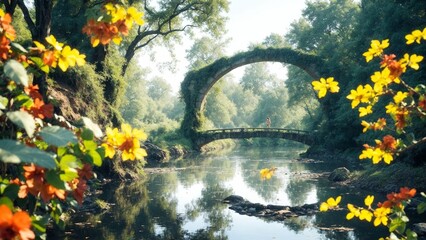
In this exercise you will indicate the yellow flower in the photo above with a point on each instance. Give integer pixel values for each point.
(366, 126)
(365, 214)
(353, 212)
(363, 111)
(133, 15)
(416, 35)
(377, 155)
(110, 9)
(70, 57)
(325, 84)
(130, 147)
(39, 46)
(360, 95)
(55, 44)
(112, 140)
(369, 200)
(412, 61)
(116, 12)
(381, 215)
(391, 108)
(1, 13)
(119, 14)
(109, 150)
(267, 173)
(376, 49)
(134, 151)
(399, 97)
(128, 131)
(382, 79)
(331, 203)
(366, 153)
(387, 157)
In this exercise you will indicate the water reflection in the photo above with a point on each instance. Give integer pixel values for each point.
(184, 201)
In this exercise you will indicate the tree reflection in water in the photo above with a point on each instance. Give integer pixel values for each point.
(184, 201)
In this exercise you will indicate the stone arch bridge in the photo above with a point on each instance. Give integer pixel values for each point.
(198, 83)
(205, 137)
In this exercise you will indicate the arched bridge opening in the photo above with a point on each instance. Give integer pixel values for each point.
(205, 137)
(197, 84)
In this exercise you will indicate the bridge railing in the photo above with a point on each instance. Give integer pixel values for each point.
(228, 130)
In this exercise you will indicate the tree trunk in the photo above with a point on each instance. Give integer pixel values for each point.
(39, 31)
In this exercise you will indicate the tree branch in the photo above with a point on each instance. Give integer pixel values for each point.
(10, 6)
(27, 17)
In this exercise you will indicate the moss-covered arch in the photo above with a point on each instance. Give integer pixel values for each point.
(197, 84)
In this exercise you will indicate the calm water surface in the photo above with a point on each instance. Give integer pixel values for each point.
(184, 201)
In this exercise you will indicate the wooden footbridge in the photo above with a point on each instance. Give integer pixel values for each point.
(208, 136)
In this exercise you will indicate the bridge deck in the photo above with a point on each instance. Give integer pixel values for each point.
(283, 130)
(207, 136)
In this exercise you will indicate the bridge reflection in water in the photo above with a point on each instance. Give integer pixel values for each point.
(208, 136)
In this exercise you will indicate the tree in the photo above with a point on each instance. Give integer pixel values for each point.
(205, 51)
(257, 78)
(166, 21)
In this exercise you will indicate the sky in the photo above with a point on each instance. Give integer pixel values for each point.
(250, 21)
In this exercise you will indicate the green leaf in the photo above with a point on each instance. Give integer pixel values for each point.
(87, 134)
(6, 201)
(40, 64)
(14, 152)
(24, 120)
(39, 223)
(89, 124)
(90, 145)
(53, 179)
(15, 71)
(58, 136)
(11, 191)
(411, 235)
(405, 219)
(397, 224)
(3, 102)
(101, 151)
(19, 47)
(421, 208)
(61, 151)
(69, 161)
(23, 100)
(95, 157)
(69, 164)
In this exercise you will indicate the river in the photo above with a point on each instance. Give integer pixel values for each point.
(183, 200)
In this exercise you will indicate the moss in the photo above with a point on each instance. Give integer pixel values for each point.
(389, 178)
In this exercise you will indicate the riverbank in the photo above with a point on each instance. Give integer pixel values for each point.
(382, 178)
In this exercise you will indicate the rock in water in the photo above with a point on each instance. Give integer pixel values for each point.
(233, 199)
(339, 174)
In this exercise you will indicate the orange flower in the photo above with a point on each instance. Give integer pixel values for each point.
(5, 24)
(48, 192)
(32, 91)
(34, 176)
(13, 225)
(395, 67)
(4, 47)
(5, 217)
(41, 110)
(422, 102)
(79, 186)
(389, 142)
(85, 172)
(401, 118)
(50, 58)
(395, 199)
